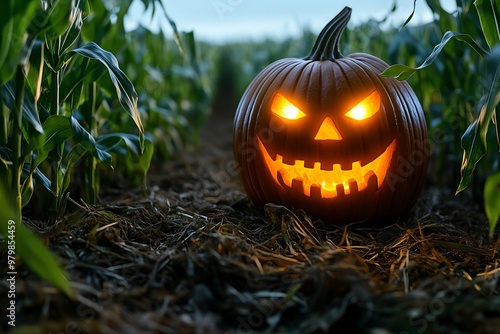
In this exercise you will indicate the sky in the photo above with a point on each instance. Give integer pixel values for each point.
(230, 20)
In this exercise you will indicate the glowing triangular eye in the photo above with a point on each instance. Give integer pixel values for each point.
(366, 108)
(286, 109)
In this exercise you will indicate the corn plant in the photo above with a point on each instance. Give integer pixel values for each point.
(173, 87)
(54, 88)
(170, 76)
(484, 76)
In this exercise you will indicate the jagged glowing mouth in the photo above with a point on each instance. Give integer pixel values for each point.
(337, 181)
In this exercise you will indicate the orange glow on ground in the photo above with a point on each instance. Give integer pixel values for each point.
(329, 180)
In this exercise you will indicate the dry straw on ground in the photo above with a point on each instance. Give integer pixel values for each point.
(192, 255)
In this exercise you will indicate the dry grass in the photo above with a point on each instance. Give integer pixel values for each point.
(192, 255)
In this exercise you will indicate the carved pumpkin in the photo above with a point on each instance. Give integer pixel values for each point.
(329, 135)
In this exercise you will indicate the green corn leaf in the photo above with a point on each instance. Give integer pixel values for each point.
(98, 23)
(144, 162)
(124, 143)
(70, 160)
(43, 180)
(4, 123)
(27, 190)
(474, 146)
(74, 156)
(177, 37)
(120, 143)
(33, 136)
(492, 200)
(35, 74)
(411, 15)
(403, 72)
(30, 114)
(28, 247)
(138, 167)
(125, 90)
(191, 52)
(434, 5)
(85, 139)
(57, 130)
(489, 16)
(474, 141)
(78, 73)
(74, 29)
(55, 20)
(443, 20)
(15, 17)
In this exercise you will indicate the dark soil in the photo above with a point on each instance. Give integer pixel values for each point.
(191, 254)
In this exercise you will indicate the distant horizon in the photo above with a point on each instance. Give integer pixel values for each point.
(223, 21)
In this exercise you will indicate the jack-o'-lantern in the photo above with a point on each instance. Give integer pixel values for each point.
(329, 135)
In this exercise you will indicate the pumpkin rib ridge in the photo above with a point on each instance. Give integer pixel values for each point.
(247, 125)
(420, 136)
(301, 87)
(290, 81)
(275, 76)
(366, 58)
(416, 133)
(376, 80)
(356, 67)
(381, 207)
(242, 114)
(411, 115)
(397, 93)
(346, 73)
(260, 185)
(326, 72)
(244, 118)
(320, 91)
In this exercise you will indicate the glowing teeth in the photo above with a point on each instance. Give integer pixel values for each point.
(328, 189)
(321, 181)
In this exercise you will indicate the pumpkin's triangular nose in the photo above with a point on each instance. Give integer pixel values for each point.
(328, 130)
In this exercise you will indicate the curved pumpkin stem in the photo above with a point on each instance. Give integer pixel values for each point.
(326, 46)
